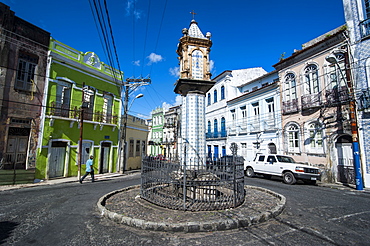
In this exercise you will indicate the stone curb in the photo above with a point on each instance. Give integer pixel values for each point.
(194, 226)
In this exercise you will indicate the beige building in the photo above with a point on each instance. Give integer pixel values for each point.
(314, 95)
(136, 136)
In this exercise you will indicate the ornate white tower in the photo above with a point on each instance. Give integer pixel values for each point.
(193, 50)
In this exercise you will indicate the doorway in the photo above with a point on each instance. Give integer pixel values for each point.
(57, 159)
(345, 170)
(104, 157)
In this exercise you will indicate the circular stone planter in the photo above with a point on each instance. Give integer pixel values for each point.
(125, 206)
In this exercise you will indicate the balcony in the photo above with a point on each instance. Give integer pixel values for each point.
(336, 95)
(365, 28)
(97, 116)
(290, 106)
(311, 101)
(216, 135)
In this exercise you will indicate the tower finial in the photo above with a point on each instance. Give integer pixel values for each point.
(193, 13)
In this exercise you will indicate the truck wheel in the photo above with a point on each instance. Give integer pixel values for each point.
(289, 178)
(249, 172)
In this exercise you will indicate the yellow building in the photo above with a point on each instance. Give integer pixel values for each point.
(136, 137)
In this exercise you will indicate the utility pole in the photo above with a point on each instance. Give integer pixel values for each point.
(130, 86)
(81, 131)
(353, 117)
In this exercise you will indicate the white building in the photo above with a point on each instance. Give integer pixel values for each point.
(228, 85)
(255, 117)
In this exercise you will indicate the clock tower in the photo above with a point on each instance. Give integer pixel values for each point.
(194, 82)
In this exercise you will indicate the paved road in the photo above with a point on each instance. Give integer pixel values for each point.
(66, 214)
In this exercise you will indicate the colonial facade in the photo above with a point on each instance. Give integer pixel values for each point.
(315, 101)
(357, 14)
(23, 52)
(136, 135)
(81, 116)
(255, 117)
(228, 85)
(155, 140)
(171, 131)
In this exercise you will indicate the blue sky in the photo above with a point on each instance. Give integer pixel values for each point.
(245, 33)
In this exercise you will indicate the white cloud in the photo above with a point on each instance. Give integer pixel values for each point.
(154, 58)
(178, 100)
(136, 63)
(130, 9)
(175, 71)
(166, 106)
(211, 65)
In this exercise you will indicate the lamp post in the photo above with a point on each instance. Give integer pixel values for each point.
(126, 108)
(353, 118)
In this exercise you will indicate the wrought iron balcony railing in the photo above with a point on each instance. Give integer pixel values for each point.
(337, 95)
(311, 101)
(290, 106)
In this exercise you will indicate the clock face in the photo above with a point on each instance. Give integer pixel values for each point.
(197, 64)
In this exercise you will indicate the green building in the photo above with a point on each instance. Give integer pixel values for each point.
(156, 134)
(81, 91)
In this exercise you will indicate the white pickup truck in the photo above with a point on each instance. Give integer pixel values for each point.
(282, 166)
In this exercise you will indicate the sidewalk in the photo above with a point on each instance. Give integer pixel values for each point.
(105, 176)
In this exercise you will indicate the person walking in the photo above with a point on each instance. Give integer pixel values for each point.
(89, 169)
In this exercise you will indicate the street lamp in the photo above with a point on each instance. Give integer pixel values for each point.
(125, 111)
(332, 59)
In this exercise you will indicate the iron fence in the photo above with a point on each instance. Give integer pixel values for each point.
(194, 186)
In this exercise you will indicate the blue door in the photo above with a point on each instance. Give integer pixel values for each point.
(215, 156)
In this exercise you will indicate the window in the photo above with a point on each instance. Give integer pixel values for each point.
(215, 96)
(289, 88)
(233, 117)
(367, 8)
(315, 136)
(89, 96)
(215, 128)
(311, 80)
(222, 92)
(336, 78)
(293, 138)
(63, 99)
(107, 108)
(131, 148)
(256, 109)
(223, 127)
(261, 158)
(209, 98)
(26, 72)
(244, 113)
(270, 105)
(209, 129)
(137, 151)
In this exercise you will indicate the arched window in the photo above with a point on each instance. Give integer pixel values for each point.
(336, 79)
(311, 80)
(209, 98)
(289, 89)
(292, 135)
(315, 137)
(215, 96)
(215, 128)
(222, 92)
(209, 131)
(223, 127)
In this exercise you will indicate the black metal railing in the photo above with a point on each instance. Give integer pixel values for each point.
(194, 186)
